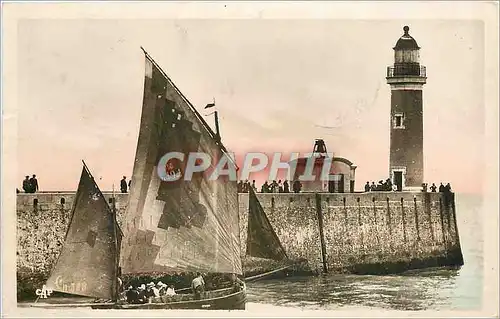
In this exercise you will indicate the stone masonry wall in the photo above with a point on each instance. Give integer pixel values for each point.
(388, 232)
(362, 232)
(42, 220)
(294, 219)
(376, 232)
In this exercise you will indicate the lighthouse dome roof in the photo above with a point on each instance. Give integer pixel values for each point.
(406, 42)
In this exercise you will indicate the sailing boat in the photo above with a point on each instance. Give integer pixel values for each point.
(169, 226)
(264, 248)
(88, 262)
(179, 225)
(262, 240)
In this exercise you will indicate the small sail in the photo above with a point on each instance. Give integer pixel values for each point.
(262, 241)
(87, 264)
(176, 226)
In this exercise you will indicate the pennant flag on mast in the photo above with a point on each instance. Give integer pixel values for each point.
(209, 105)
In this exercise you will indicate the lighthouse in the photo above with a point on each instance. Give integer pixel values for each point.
(406, 78)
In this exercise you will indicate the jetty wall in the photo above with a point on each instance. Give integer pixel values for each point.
(376, 232)
(364, 233)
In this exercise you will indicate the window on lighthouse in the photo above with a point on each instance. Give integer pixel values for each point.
(398, 121)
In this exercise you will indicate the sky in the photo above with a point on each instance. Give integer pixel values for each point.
(277, 84)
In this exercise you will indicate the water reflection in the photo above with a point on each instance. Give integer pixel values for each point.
(416, 291)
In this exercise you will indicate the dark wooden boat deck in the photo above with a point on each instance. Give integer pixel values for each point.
(221, 299)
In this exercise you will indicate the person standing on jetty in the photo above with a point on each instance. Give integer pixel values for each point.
(433, 188)
(33, 184)
(265, 188)
(286, 187)
(367, 187)
(280, 187)
(441, 188)
(198, 285)
(26, 184)
(296, 186)
(123, 184)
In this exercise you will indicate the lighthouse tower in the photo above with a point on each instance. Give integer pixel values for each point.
(406, 78)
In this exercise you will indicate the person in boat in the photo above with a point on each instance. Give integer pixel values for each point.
(237, 283)
(161, 288)
(132, 295)
(171, 290)
(120, 284)
(151, 291)
(198, 285)
(141, 298)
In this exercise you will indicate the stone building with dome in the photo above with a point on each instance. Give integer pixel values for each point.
(342, 172)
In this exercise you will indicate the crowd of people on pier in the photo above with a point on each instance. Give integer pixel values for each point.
(271, 187)
(30, 185)
(387, 186)
(442, 188)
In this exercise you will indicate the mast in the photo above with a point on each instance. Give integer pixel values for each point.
(217, 130)
(115, 234)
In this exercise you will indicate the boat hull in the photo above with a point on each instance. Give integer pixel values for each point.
(223, 299)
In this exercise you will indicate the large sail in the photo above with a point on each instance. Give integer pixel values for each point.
(183, 225)
(87, 264)
(262, 241)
